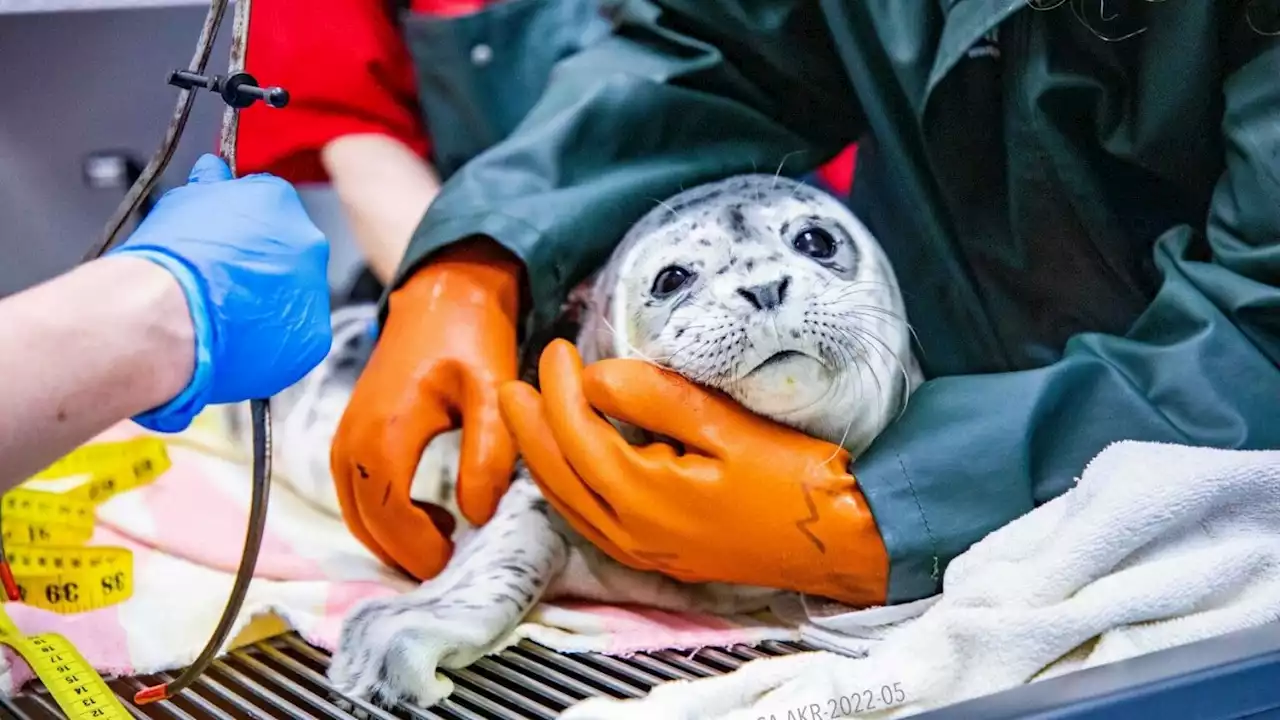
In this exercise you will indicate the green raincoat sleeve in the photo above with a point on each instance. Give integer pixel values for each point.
(683, 92)
(1199, 366)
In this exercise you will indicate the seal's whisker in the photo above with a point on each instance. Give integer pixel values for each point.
(692, 349)
(849, 360)
(838, 352)
(877, 340)
(891, 315)
(856, 286)
(631, 348)
(670, 209)
(844, 437)
(857, 338)
(854, 311)
(778, 172)
(906, 380)
(799, 184)
(902, 368)
(856, 334)
(696, 347)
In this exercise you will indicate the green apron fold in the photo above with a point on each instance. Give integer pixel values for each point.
(479, 74)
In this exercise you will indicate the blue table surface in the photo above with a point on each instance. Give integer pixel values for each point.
(1230, 676)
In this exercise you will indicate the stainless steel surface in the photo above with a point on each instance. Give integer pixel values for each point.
(15, 7)
(284, 678)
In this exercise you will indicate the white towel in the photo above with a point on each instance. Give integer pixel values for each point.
(1156, 546)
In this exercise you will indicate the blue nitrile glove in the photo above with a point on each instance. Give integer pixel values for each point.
(254, 271)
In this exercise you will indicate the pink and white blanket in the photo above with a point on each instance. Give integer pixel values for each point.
(186, 530)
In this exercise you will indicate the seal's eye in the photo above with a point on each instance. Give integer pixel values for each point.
(815, 242)
(669, 280)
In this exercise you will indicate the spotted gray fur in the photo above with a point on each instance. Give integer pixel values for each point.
(818, 343)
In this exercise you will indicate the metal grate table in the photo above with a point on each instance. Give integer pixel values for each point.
(1231, 677)
(283, 678)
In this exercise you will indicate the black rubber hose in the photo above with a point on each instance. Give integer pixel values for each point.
(260, 410)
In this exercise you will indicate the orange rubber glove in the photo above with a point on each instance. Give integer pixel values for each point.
(448, 344)
(749, 501)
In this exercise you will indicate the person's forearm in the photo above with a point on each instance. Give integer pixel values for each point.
(385, 188)
(101, 343)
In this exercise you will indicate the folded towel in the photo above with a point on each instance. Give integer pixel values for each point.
(572, 627)
(1156, 546)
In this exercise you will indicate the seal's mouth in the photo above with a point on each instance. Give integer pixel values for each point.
(777, 359)
(788, 384)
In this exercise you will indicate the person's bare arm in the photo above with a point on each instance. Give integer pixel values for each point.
(384, 188)
(78, 353)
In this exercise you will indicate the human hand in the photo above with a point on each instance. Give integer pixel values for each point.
(749, 501)
(448, 343)
(253, 268)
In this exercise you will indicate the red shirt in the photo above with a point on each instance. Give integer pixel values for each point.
(838, 172)
(347, 71)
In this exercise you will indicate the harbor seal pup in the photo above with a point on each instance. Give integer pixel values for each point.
(758, 286)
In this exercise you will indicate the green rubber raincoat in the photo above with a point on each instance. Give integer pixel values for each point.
(1082, 203)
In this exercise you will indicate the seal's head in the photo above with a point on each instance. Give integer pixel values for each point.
(770, 291)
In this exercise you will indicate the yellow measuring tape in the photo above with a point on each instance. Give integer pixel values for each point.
(77, 688)
(45, 531)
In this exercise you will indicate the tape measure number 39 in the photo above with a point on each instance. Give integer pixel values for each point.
(45, 529)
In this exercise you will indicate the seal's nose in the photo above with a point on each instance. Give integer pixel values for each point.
(768, 295)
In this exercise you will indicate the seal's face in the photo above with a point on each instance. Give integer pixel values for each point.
(774, 293)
